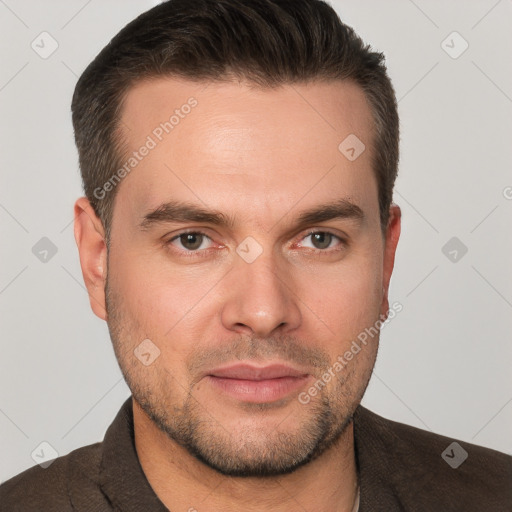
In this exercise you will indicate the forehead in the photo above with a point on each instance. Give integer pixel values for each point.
(233, 144)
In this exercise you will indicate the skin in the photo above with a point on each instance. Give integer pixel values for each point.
(261, 156)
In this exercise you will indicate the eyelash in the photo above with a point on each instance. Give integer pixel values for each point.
(201, 253)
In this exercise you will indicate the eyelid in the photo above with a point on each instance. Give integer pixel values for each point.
(342, 239)
(168, 242)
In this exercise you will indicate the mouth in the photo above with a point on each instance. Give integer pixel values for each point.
(257, 384)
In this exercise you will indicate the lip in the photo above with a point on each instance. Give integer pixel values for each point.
(257, 373)
(257, 384)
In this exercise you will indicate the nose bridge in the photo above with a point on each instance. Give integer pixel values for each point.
(260, 297)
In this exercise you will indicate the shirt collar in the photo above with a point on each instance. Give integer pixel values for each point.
(122, 479)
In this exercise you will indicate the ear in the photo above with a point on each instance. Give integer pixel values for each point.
(390, 243)
(90, 239)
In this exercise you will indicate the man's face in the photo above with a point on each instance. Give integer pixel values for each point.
(249, 313)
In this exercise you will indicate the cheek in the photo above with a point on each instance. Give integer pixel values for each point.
(160, 302)
(347, 297)
(138, 290)
(166, 303)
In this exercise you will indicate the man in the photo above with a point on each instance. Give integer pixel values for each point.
(263, 133)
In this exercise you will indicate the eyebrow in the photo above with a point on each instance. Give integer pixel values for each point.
(181, 212)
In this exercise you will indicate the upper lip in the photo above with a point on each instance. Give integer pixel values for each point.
(251, 372)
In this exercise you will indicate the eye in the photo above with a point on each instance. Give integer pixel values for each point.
(322, 240)
(191, 241)
(196, 243)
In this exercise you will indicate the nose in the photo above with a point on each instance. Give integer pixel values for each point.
(260, 298)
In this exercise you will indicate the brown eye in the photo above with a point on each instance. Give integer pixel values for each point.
(191, 241)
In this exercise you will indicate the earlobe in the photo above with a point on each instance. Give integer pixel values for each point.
(90, 240)
(391, 242)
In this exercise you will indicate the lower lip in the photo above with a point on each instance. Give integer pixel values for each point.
(258, 391)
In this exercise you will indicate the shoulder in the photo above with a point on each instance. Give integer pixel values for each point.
(51, 488)
(443, 471)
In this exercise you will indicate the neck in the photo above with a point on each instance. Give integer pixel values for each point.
(181, 482)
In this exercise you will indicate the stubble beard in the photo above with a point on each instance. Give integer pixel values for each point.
(246, 452)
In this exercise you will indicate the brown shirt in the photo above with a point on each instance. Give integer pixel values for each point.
(401, 468)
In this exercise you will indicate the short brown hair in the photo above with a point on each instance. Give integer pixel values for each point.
(266, 42)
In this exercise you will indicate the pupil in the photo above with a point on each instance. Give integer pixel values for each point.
(323, 238)
(189, 239)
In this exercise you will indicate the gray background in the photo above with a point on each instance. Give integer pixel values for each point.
(444, 361)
